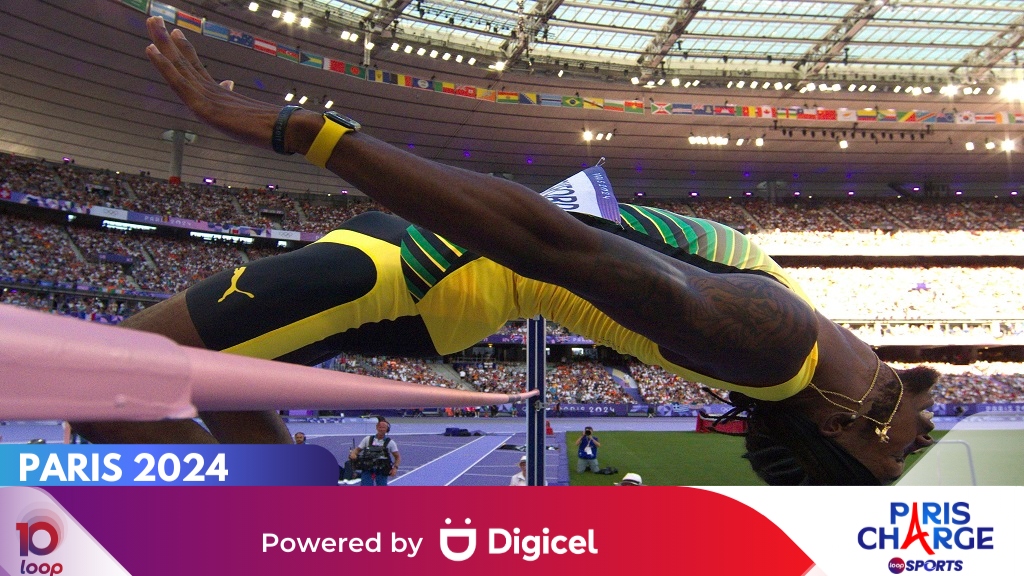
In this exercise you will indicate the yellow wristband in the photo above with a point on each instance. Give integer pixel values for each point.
(320, 151)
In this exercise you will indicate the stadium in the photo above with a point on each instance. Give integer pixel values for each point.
(835, 143)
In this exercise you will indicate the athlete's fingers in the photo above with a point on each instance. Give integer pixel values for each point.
(229, 84)
(189, 53)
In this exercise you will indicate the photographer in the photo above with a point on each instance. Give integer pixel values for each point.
(377, 456)
(587, 446)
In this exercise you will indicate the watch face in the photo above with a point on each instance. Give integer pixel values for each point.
(343, 120)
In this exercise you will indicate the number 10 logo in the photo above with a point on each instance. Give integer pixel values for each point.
(26, 532)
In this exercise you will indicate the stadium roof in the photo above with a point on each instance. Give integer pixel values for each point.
(908, 85)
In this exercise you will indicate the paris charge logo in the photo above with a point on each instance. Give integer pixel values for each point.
(935, 530)
(40, 533)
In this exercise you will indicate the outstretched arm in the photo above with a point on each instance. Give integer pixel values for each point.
(743, 328)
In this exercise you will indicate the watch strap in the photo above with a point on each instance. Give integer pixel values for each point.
(277, 136)
(322, 147)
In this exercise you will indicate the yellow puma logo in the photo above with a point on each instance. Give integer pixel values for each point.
(234, 285)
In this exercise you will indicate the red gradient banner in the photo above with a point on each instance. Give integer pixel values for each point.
(425, 530)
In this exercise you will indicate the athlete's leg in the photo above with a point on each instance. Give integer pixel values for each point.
(169, 318)
(344, 293)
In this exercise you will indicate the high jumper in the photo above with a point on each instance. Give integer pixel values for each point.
(467, 252)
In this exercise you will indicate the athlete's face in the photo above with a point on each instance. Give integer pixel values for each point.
(909, 431)
(382, 429)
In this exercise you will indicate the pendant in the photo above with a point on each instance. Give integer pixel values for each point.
(883, 433)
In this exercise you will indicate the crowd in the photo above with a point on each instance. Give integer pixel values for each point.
(263, 208)
(414, 370)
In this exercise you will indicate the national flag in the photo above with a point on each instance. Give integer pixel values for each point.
(550, 100)
(791, 112)
(984, 118)
(422, 83)
(827, 114)
(926, 116)
(166, 11)
(846, 115)
(357, 71)
(661, 108)
(1005, 118)
(390, 78)
(313, 60)
(374, 75)
(679, 108)
(746, 111)
(946, 118)
(486, 94)
(887, 115)
(529, 98)
(634, 106)
(288, 53)
(965, 117)
(906, 116)
(265, 46)
(404, 80)
(766, 111)
(466, 91)
(726, 110)
(807, 114)
(508, 97)
(446, 87)
(139, 5)
(332, 64)
(1018, 117)
(704, 110)
(867, 115)
(215, 31)
(190, 22)
(615, 105)
(591, 103)
(241, 38)
(572, 102)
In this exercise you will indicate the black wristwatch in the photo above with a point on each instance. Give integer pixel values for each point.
(277, 136)
(343, 120)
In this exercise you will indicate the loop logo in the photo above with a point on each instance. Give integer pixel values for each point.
(897, 565)
(39, 533)
(468, 533)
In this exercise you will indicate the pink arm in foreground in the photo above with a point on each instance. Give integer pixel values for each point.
(62, 368)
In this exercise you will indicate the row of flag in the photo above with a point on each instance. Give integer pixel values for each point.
(205, 27)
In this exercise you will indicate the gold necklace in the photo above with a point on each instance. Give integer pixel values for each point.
(882, 430)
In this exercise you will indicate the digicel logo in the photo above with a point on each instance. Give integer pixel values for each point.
(501, 541)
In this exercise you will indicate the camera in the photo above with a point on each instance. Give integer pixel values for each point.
(588, 432)
(374, 458)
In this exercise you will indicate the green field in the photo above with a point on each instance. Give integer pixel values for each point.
(672, 459)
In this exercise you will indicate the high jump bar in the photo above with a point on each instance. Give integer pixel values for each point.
(59, 368)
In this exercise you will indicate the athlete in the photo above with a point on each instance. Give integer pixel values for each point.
(691, 296)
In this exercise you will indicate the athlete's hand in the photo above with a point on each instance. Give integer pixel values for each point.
(244, 119)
